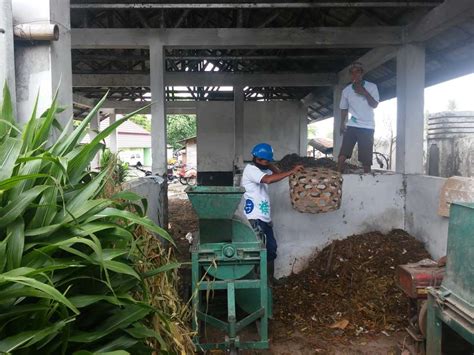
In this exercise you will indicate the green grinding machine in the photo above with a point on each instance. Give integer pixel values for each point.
(227, 255)
(450, 326)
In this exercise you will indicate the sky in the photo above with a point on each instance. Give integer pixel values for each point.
(437, 98)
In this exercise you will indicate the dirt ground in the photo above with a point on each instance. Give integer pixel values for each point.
(284, 338)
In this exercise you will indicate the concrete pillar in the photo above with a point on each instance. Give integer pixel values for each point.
(43, 65)
(158, 110)
(238, 126)
(113, 145)
(410, 108)
(337, 137)
(7, 58)
(303, 133)
(94, 128)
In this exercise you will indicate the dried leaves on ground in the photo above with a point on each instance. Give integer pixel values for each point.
(351, 282)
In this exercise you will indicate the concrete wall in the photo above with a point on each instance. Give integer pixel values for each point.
(282, 124)
(154, 190)
(369, 203)
(421, 213)
(276, 123)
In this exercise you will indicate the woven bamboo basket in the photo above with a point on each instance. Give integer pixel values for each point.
(316, 190)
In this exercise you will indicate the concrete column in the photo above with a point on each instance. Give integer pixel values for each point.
(43, 66)
(94, 127)
(303, 133)
(7, 58)
(239, 126)
(158, 110)
(410, 108)
(113, 145)
(336, 135)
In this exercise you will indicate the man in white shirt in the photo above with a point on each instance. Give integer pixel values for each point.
(359, 98)
(255, 180)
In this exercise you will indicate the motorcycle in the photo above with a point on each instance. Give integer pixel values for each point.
(169, 175)
(187, 177)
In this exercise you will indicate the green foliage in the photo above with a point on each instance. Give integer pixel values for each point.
(180, 127)
(118, 168)
(142, 120)
(69, 276)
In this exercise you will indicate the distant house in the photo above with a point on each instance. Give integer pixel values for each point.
(188, 155)
(133, 143)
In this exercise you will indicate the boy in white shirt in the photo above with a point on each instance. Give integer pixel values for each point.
(255, 180)
(359, 98)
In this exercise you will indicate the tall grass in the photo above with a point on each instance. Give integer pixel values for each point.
(73, 279)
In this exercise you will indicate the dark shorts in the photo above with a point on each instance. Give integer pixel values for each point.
(365, 142)
(265, 231)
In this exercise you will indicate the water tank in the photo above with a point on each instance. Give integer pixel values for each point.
(450, 145)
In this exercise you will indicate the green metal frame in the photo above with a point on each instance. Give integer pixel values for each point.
(200, 266)
(453, 304)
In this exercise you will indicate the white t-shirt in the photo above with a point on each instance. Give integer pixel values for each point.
(362, 114)
(257, 201)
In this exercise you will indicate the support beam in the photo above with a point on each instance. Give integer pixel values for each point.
(238, 126)
(258, 5)
(450, 13)
(320, 37)
(410, 109)
(336, 134)
(158, 111)
(172, 107)
(206, 79)
(83, 102)
(7, 58)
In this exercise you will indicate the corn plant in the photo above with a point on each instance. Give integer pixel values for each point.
(68, 277)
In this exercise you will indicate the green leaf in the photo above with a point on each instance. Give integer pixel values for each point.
(9, 151)
(18, 206)
(164, 268)
(87, 300)
(16, 241)
(42, 134)
(28, 338)
(120, 319)
(50, 291)
(120, 268)
(116, 352)
(143, 221)
(14, 180)
(6, 112)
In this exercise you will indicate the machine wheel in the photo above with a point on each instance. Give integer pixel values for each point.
(183, 180)
(423, 317)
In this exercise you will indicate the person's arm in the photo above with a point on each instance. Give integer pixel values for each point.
(270, 179)
(274, 169)
(363, 91)
(344, 114)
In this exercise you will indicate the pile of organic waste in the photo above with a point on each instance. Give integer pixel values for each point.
(289, 161)
(349, 288)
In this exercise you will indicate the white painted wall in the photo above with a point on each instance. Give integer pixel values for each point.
(421, 213)
(282, 124)
(369, 203)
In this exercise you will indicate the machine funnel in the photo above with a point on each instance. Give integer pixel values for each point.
(215, 202)
(215, 206)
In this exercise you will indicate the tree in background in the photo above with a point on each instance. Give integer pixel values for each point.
(143, 121)
(179, 127)
(452, 105)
